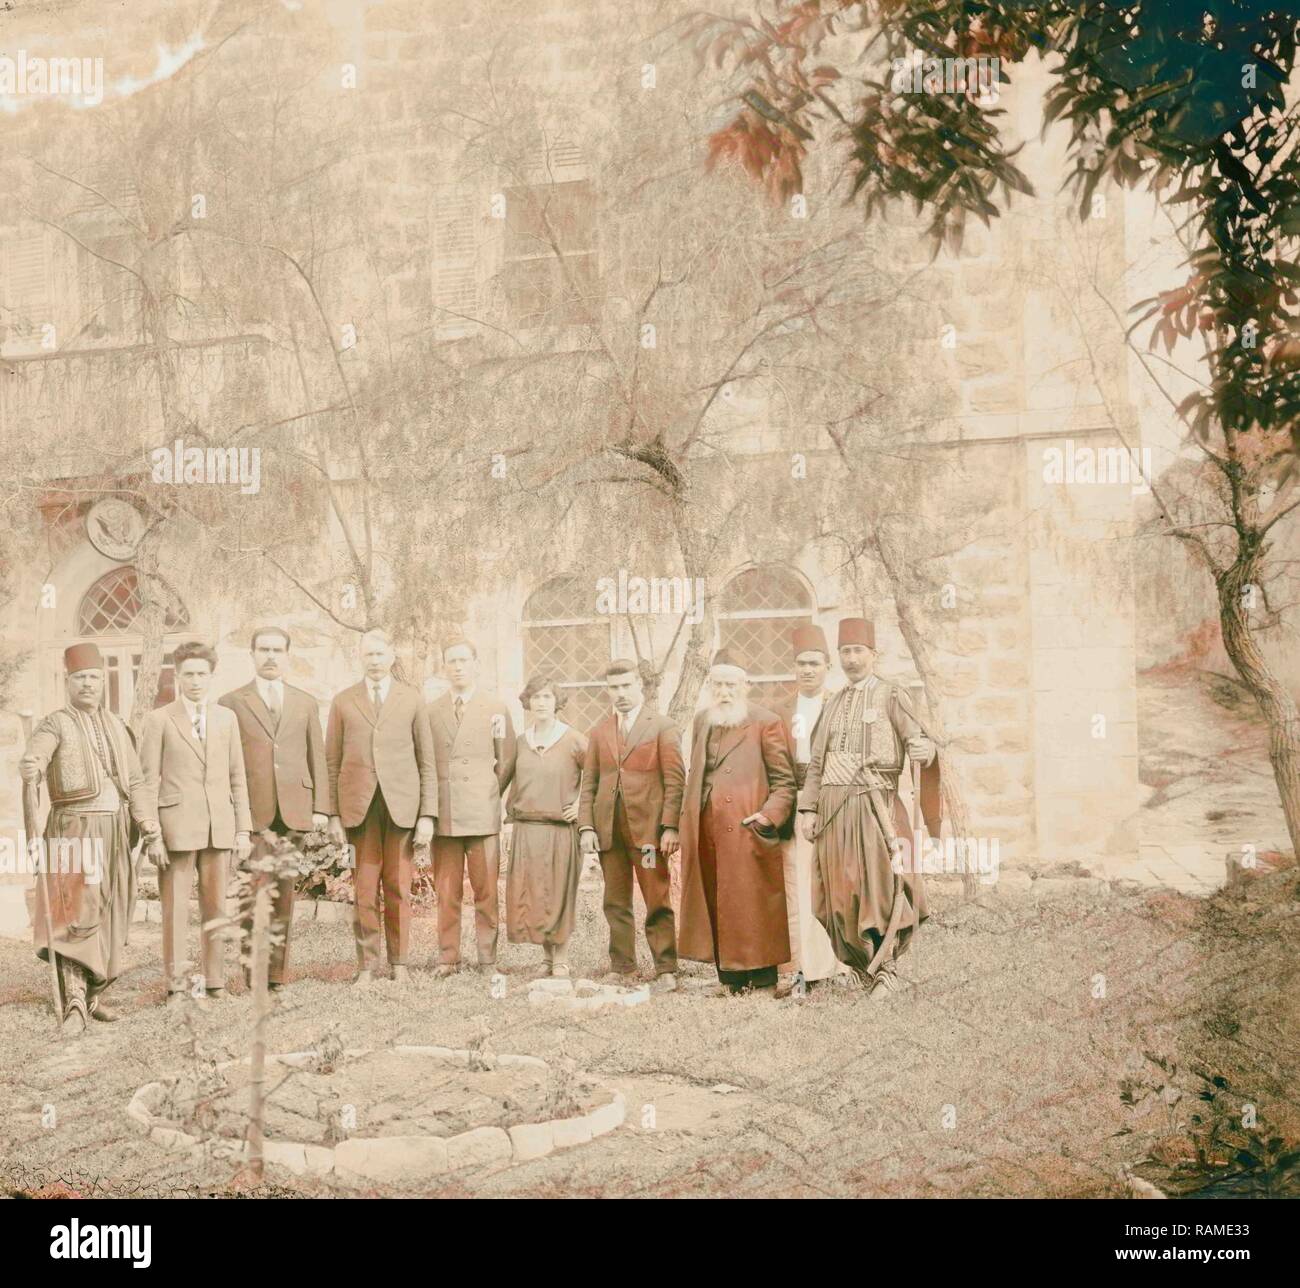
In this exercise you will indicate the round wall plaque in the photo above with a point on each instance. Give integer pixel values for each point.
(114, 527)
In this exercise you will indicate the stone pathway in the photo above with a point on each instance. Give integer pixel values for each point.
(1209, 787)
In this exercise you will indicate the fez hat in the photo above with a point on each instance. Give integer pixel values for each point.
(857, 630)
(726, 667)
(808, 638)
(82, 657)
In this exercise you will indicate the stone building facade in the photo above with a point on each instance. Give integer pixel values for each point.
(1033, 631)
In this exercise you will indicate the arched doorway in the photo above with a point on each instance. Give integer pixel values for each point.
(562, 635)
(108, 615)
(757, 611)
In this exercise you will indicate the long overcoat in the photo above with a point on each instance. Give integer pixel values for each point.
(755, 774)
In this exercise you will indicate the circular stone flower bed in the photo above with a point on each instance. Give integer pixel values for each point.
(389, 1115)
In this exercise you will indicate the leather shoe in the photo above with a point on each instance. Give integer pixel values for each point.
(364, 979)
(665, 983)
(103, 1012)
(445, 970)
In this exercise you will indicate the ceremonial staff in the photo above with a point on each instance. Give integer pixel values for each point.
(918, 693)
(31, 825)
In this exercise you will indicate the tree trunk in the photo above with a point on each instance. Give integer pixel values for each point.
(695, 670)
(151, 623)
(699, 640)
(954, 803)
(1275, 702)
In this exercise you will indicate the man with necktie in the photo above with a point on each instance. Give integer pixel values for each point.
(383, 782)
(194, 786)
(475, 741)
(631, 798)
(288, 782)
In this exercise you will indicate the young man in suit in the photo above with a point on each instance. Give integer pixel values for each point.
(383, 781)
(288, 782)
(631, 798)
(475, 741)
(194, 786)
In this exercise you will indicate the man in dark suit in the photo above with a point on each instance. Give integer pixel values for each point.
(383, 778)
(474, 739)
(288, 782)
(631, 798)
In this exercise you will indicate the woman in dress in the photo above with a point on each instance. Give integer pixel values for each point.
(542, 879)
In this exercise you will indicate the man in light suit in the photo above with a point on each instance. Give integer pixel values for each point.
(383, 781)
(288, 782)
(628, 809)
(194, 786)
(475, 741)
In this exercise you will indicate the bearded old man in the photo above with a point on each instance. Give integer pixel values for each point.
(740, 797)
(86, 756)
(847, 808)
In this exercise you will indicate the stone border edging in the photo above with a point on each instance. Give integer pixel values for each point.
(584, 994)
(394, 1158)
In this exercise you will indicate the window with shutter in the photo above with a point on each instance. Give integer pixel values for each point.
(549, 259)
(110, 195)
(110, 297)
(26, 294)
(455, 258)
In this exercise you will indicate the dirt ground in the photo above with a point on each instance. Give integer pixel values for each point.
(1048, 1044)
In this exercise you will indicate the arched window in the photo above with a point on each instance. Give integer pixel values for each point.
(566, 638)
(112, 604)
(758, 609)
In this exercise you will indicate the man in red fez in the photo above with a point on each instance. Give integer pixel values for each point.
(739, 797)
(847, 809)
(86, 757)
(812, 959)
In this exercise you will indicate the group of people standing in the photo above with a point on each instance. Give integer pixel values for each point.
(393, 774)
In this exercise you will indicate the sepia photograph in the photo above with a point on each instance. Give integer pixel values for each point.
(641, 599)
